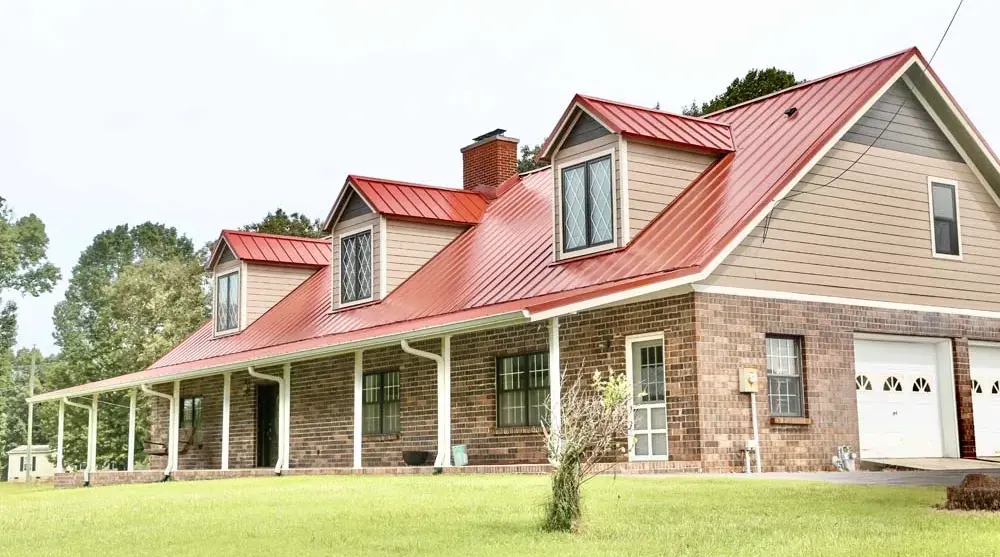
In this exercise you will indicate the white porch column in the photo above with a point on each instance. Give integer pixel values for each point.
(444, 414)
(59, 436)
(92, 436)
(131, 431)
(358, 373)
(31, 425)
(226, 387)
(175, 426)
(555, 378)
(286, 417)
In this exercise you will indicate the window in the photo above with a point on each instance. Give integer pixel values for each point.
(34, 464)
(861, 383)
(191, 412)
(523, 390)
(380, 403)
(892, 384)
(356, 267)
(587, 205)
(944, 214)
(784, 375)
(22, 464)
(227, 302)
(921, 385)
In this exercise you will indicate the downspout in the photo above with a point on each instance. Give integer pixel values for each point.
(170, 427)
(281, 416)
(443, 457)
(90, 410)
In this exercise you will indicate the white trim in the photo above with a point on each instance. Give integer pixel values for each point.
(930, 212)
(340, 262)
(985, 343)
(797, 297)
(215, 302)
(555, 379)
(243, 295)
(358, 375)
(629, 342)
(616, 297)
(615, 236)
(286, 414)
(623, 183)
(331, 219)
(898, 338)
(383, 257)
(59, 435)
(568, 123)
(226, 403)
(130, 463)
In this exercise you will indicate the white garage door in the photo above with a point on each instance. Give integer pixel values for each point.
(899, 392)
(985, 364)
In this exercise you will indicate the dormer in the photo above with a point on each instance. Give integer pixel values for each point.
(617, 166)
(383, 231)
(251, 272)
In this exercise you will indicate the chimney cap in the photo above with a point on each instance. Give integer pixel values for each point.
(495, 132)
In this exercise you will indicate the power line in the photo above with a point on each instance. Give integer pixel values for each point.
(892, 119)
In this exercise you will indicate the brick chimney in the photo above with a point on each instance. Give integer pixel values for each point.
(488, 162)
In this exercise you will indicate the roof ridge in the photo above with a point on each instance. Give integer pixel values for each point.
(697, 119)
(910, 50)
(413, 185)
(277, 236)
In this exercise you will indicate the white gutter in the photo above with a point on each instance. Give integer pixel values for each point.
(90, 420)
(171, 456)
(489, 322)
(443, 362)
(281, 414)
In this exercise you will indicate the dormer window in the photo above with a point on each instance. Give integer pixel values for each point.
(356, 267)
(587, 204)
(227, 302)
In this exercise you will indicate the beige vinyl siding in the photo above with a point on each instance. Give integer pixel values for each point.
(411, 244)
(868, 235)
(579, 153)
(656, 175)
(356, 224)
(268, 284)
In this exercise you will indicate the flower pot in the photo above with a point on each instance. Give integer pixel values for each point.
(415, 458)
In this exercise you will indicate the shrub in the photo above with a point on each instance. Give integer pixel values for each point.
(977, 492)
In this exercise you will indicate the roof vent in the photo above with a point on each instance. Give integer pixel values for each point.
(791, 112)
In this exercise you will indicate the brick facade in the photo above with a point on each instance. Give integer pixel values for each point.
(708, 339)
(489, 162)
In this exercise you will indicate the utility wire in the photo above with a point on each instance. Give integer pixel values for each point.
(892, 119)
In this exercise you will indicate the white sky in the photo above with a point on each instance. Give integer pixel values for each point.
(205, 115)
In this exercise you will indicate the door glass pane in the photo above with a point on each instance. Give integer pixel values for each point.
(574, 208)
(601, 201)
(647, 376)
(659, 443)
(641, 421)
(657, 418)
(642, 445)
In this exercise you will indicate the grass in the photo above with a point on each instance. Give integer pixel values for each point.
(486, 515)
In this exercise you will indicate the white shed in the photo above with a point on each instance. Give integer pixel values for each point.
(18, 463)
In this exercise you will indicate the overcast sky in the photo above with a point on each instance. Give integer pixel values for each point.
(205, 115)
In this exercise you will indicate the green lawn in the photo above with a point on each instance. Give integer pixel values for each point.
(485, 515)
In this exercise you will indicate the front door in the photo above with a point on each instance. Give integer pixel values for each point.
(267, 422)
(649, 399)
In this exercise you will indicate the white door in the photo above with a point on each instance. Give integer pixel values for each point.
(899, 413)
(649, 430)
(985, 364)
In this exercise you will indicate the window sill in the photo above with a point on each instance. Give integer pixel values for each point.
(381, 437)
(519, 430)
(778, 420)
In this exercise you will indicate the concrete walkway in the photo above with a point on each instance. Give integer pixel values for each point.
(926, 478)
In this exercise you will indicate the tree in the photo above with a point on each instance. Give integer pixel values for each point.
(529, 159)
(756, 83)
(280, 222)
(595, 419)
(135, 292)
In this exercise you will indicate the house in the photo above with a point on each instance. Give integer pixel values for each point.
(837, 242)
(19, 461)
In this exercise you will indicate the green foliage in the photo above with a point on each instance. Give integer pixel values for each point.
(280, 222)
(529, 159)
(756, 83)
(134, 293)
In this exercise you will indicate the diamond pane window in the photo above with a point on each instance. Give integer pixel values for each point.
(523, 390)
(587, 204)
(356, 267)
(380, 403)
(227, 302)
(784, 375)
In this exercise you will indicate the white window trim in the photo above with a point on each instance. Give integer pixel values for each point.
(615, 217)
(931, 180)
(215, 302)
(629, 341)
(340, 263)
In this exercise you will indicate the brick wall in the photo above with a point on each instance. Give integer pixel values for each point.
(489, 162)
(730, 336)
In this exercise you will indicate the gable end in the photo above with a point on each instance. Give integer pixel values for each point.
(584, 130)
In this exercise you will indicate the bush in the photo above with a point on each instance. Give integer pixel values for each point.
(977, 492)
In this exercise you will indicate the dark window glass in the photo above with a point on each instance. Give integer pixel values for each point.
(22, 464)
(647, 379)
(34, 464)
(227, 299)
(784, 375)
(380, 402)
(523, 390)
(191, 410)
(945, 212)
(356, 267)
(588, 204)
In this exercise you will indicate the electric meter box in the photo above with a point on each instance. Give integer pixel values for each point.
(748, 380)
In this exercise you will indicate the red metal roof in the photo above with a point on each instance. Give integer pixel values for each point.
(648, 123)
(276, 249)
(417, 201)
(505, 263)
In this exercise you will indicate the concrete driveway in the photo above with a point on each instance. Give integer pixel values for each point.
(923, 477)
